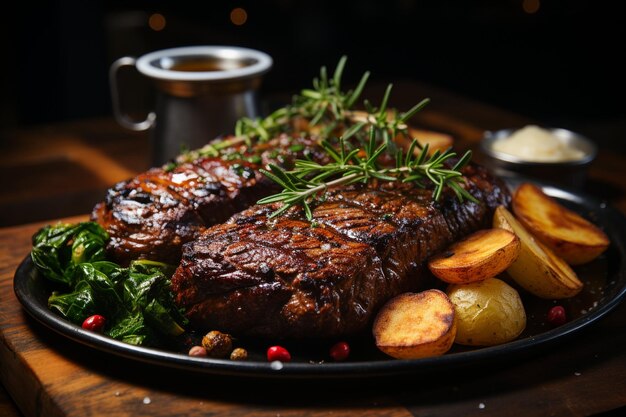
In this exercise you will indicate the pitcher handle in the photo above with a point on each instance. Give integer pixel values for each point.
(122, 118)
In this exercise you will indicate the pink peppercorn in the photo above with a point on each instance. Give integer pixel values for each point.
(197, 351)
(94, 323)
(278, 353)
(557, 316)
(340, 351)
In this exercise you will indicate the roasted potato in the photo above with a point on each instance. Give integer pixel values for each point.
(569, 235)
(483, 254)
(489, 312)
(415, 325)
(537, 269)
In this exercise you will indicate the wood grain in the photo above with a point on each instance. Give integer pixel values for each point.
(7, 407)
(57, 171)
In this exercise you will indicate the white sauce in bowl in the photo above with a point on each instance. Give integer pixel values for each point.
(533, 143)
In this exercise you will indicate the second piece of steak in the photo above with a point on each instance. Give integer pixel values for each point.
(285, 278)
(154, 213)
(151, 215)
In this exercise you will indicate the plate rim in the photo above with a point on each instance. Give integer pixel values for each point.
(346, 369)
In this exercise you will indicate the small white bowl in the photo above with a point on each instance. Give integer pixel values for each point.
(570, 172)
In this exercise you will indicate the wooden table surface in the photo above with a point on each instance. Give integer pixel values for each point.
(62, 170)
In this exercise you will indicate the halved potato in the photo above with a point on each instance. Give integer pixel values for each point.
(537, 269)
(481, 255)
(569, 235)
(489, 312)
(416, 325)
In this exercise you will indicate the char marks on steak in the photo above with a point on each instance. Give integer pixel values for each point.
(151, 215)
(283, 278)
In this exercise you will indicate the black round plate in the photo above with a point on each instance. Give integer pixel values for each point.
(605, 287)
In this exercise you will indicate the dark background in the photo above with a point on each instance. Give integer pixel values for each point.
(560, 63)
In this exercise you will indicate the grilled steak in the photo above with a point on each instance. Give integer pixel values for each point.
(285, 278)
(152, 215)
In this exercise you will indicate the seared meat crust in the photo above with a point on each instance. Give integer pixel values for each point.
(153, 214)
(284, 278)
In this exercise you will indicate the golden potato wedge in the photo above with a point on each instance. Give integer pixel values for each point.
(489, 312)
(537, 269)
(569, 235)
(415, 325)
(481, 255)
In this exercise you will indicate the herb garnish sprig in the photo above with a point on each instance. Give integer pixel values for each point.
(326, 103)
(310, 180)
(247, 131)
(387, 124)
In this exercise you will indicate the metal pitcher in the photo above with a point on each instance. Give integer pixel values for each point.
(201, 92)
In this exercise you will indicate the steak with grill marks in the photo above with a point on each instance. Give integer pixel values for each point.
(151, 215)
(284, 278)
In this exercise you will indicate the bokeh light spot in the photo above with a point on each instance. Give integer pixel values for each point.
(238, 16)
(531, 6)
(157, 22)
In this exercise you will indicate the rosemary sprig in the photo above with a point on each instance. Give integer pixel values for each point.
(326, 103)
(309, 180)
(246, 130)
(263, 130)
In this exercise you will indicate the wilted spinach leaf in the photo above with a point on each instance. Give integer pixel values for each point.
(58, 249)
(131, 329)
(75, 306)
(136, 301)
